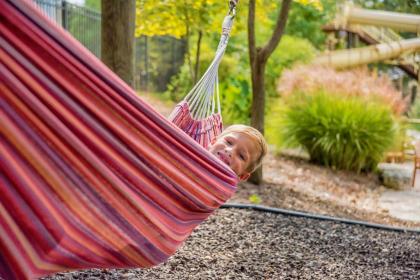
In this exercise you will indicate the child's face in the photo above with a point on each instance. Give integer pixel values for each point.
(237, 150)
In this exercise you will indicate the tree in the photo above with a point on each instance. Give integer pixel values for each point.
(306, 20)
(258, 57)
(180, 19)
(117, 38)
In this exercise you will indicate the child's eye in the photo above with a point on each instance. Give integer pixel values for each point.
(242, 157)
(229, 142)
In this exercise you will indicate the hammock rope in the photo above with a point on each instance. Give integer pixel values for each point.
(196, 114)
(90, 175)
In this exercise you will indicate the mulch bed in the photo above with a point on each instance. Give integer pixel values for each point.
(246, 244)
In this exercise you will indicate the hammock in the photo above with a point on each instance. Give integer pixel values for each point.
(196, 114)
(91, 176)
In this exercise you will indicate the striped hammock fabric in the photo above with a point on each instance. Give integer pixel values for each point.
(204, 131)
(91, 176)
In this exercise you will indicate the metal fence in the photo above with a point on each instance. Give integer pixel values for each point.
(83, 23)
(157, 58)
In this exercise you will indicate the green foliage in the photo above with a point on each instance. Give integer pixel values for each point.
(306, 21)
(180, 84)
(415, 113)
(234, 85)
(176, 18)
(93, 4)
(173, 17)
(273, 123)
(234, 73)
(343, 133)
(236, 99)
(290, 51)
(401, 138)
(415, 110)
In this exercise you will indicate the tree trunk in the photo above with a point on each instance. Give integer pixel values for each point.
(197, 56)
(187, 40)
(258, 57)
(258, 96)
(257, 108)
(117, 37)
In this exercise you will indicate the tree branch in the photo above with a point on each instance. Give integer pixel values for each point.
(197, 56)
(268, 49)
(251, 32)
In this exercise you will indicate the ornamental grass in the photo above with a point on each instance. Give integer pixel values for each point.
(344, 120)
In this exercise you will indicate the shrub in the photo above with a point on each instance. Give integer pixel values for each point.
(339, 132)
(354, 83)
(273, 123)
(414, 113)
(180, 84)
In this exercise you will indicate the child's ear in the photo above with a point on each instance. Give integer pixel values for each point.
(244, 176)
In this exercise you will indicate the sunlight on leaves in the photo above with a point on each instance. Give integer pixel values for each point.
(315, 3)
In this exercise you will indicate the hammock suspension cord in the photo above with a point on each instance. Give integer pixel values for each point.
(199, 113)
(205, 93)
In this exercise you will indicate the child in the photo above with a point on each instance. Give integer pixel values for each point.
(240, 147)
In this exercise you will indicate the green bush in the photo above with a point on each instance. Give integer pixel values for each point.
(414, 113)
(180, 84)
(306, 21)
(273, 123)
(339, 132)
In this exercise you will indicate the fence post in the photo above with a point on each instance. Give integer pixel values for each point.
(64, 15)
(146, 63)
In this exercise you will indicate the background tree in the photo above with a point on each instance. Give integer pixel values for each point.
(258, 57)
(306, 20)
(117, 37)
(181, 19)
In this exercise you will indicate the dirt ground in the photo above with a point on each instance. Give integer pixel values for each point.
(294, 183)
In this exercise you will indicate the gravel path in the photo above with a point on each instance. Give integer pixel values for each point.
(246, 244)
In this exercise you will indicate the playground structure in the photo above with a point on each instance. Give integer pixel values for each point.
(378, 30)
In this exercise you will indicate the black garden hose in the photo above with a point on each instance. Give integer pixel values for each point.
(315, 216)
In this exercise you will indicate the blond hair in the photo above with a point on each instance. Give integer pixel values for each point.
(256, 136)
